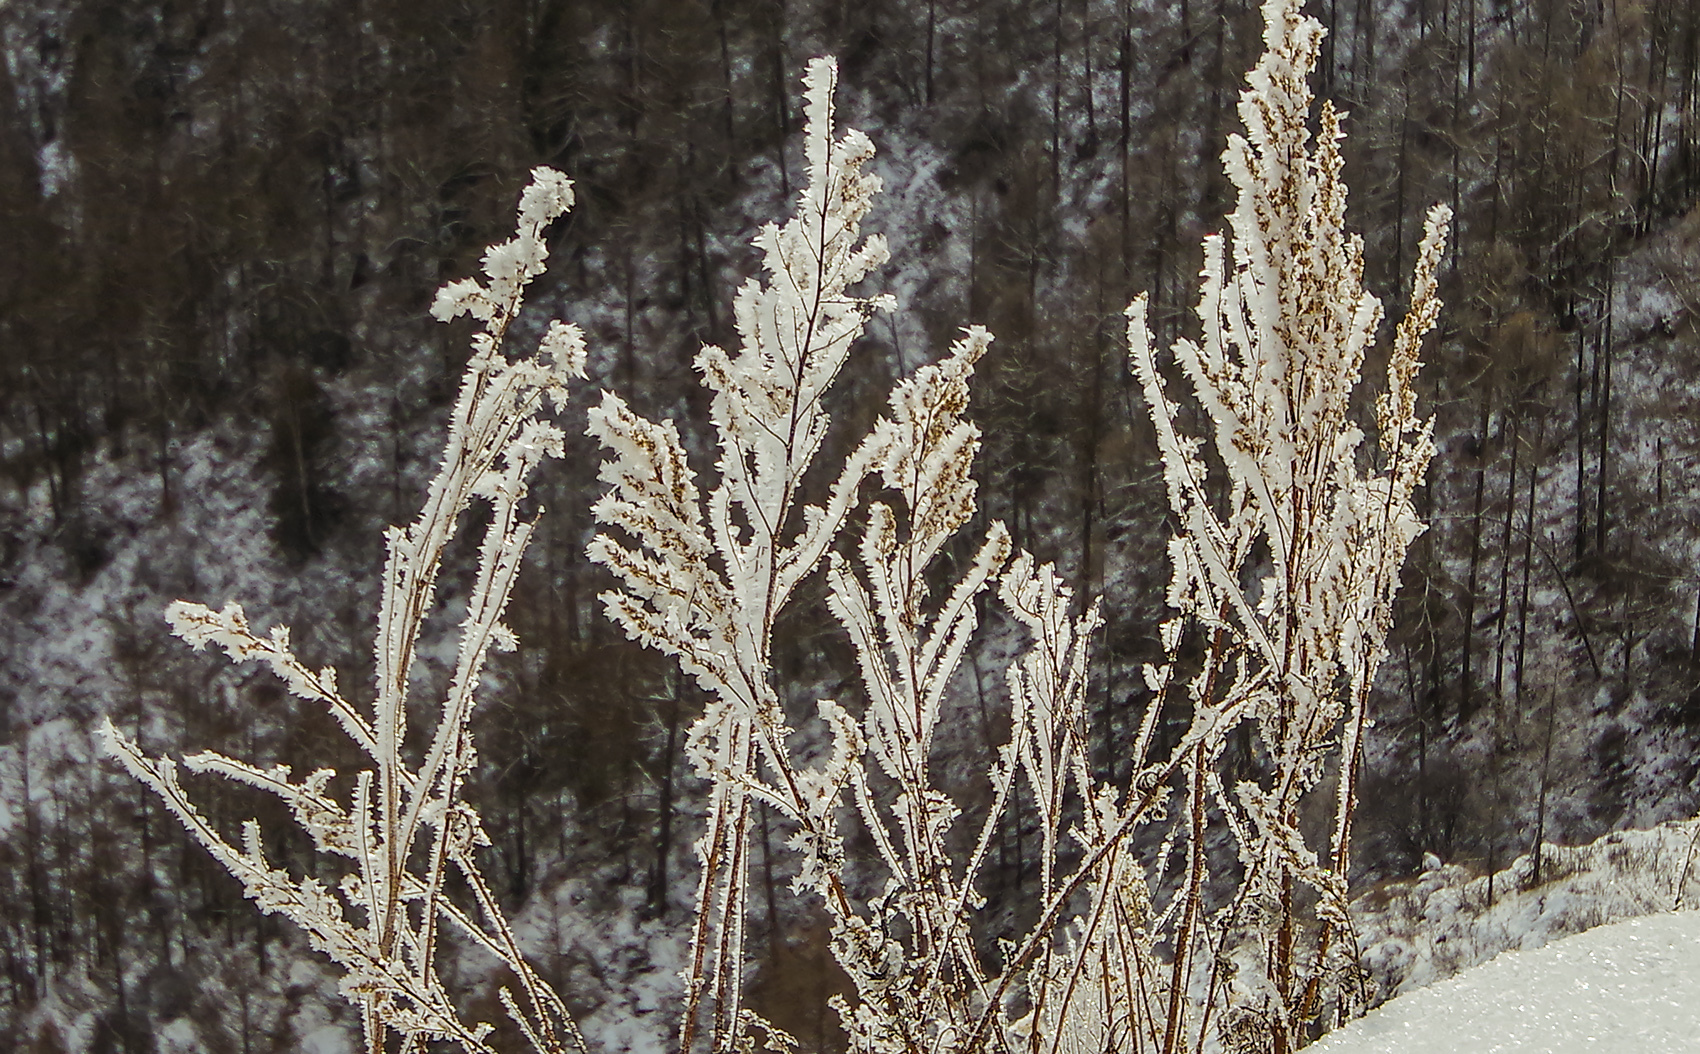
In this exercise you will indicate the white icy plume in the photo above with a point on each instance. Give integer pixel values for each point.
(1288, 544)
(405, 827)
(1286, 561)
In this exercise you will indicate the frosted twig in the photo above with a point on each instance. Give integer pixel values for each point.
(383, 933)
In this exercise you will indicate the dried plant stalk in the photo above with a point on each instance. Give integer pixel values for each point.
(1286, 558)
(404, 824)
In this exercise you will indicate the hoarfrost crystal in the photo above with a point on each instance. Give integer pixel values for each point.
(405, 827)
(1285, 560)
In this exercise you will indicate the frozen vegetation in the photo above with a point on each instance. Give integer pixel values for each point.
(1190, 895)
(1286, 553)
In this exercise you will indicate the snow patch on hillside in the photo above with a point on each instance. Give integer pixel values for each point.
(1628, 987)
(1418, 932)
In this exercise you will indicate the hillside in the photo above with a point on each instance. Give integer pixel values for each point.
(220, 381)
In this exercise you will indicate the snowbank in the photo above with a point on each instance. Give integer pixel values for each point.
(1630, 987)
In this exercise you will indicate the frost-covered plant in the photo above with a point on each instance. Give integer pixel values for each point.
(706, 579)
(403, 826)
(1146, 933)
(1286, 559)
(1286, 554)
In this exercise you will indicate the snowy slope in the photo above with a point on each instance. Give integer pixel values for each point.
(1416, 932)
(1631, 987)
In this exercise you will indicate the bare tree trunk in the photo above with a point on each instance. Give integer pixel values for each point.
(1124, 69)
(932, 25)
(1505, 560)
(1581, 448)
(1694, 645)
(1056, 103)
(658, 879)
(1328, 43)
(1546, 774)
(774, 937)
(1602, 364)
(781, 98)
(731, 131)
(1466, 680)
(1086, 62)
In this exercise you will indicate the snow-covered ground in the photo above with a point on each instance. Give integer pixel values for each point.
(1417, 932)
(1627, 988)
(1594, 952)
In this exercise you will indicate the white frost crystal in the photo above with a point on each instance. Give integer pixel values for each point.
(1285, 560)
(405, 827)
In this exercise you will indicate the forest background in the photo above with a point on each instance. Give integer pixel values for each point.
(218, 379)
